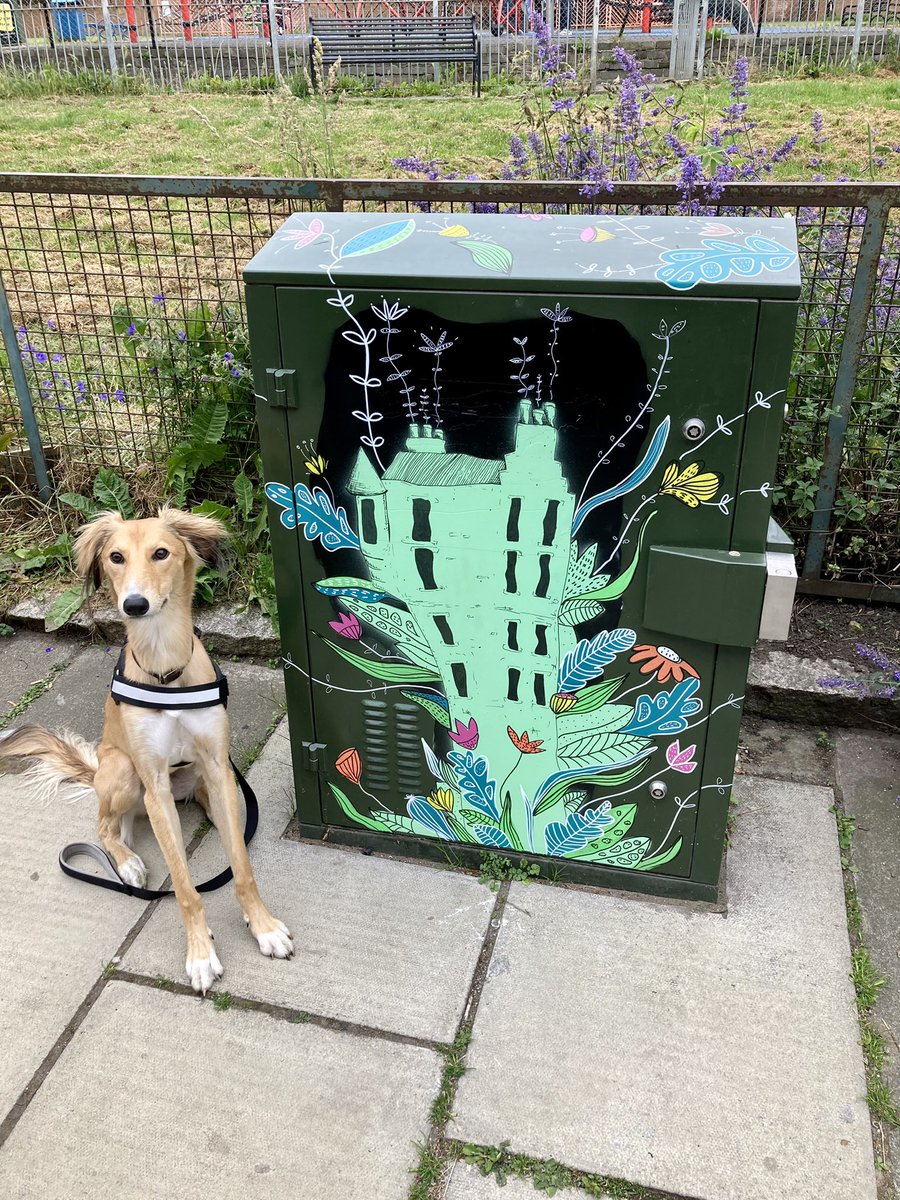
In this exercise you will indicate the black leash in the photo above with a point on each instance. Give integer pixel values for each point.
(142, 695)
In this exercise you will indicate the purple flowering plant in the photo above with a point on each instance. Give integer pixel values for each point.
(882, 678)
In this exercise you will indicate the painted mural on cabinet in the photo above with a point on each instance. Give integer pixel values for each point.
(489, 526)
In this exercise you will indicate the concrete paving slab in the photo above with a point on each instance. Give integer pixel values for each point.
(467, 1183)
(868, 775)
(777, 750)
(75, 700)
(386, 944)
(161, 1096)
(26, 658)
(255, 700)
(714, 1057)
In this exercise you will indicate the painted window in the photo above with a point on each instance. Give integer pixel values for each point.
(540, 633)
(512, 692)
(459, 678)
(512, 521)
(443, 627)
(544, 579)
(539, 693)
(421, 530)
(512, 635)
(511, 585)
(550, 520)
(369, 528)
(425, 567)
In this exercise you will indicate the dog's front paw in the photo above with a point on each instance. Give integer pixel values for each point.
(203, 972)
(275, 942)
(133, 872)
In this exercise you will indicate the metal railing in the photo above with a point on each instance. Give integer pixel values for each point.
(115, 285)
(182, 43)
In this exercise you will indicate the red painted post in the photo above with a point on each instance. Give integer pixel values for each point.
(265, 20)
(645, 17)
(186, 20)
(232, 23)
(132, 22)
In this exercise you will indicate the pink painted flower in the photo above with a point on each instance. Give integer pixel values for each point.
(681, 760)
(534, 216)
(716, 229)
(347, 626)
(465, 735)
(304, 235)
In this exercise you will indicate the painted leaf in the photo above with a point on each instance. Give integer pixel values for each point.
(432, 761)
(660, 860)
(605, 749)
(489, 256)
(578, 612)
(580, 570)
(666, 712)
(627, 853)
(508, 822)
(377, 669)
(641, 472)
(65, 605)
(718, 259)
(574, 799)
(555, 786)
(434, 821)
(313, 512)
(489, 835)
(566, 837)
(595, 696)
(590, 656)
(436, 706)
(370, 241)
(471, 816)
(618, 587)
(395, 822)
(398, 626)
(347, 805)
(473, 782)
(348, 585)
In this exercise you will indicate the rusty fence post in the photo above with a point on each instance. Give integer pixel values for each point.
(864, 281)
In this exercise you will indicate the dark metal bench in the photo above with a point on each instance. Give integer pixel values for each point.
(878, 12)
(376, 40)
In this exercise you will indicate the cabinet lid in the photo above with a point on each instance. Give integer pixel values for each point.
(706, 256)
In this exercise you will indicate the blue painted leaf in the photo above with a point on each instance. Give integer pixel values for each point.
(571, 835)
(489, 836)
(556, 785)
(666, 712)
(320, 520)
(472, 778)
(347, 585)
(641, 472)
(434, 820)
(590, 656)
(380, 238)
(529, 819)
(684, 269)
(282, 495)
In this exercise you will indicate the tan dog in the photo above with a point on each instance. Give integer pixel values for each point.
(150, 566)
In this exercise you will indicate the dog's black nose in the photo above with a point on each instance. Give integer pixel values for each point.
(135, 606)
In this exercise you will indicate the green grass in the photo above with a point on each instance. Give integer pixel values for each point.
(191, 133)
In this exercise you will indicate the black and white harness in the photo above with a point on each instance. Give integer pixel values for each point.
(145, 695)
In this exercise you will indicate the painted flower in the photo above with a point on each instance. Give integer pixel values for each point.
(664, 660)
(681, 760)
(523, 743)
(350, 765)
(465, 735)
(534, 216)
(348, 626)
(561, 702)
(441, 798)
(303, 236)
(454, 231)
(690, 486)
(315, 464)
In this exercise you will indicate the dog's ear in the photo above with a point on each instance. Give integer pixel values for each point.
(89, 546)
(202, 535)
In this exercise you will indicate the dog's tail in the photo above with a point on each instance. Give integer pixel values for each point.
(62, 761)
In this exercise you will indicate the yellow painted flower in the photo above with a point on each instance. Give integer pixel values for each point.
(441, 798)
(455, 231)
(561, 702)
(315, 464)
(690, 486)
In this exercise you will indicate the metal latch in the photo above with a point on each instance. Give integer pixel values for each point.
(309, 756)
(281, 387)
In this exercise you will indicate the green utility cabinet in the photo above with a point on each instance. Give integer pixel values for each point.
(520, 471)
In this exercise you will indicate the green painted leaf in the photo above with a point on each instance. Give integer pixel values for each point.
(489, 256)
(395, 822)
(507, 822)
(398, 626)
(580, 571)
(609, 718)
(243, 493)
(574, 799)
(577, 612)
(659, 860)
(349, 585)
(347, 805)
(600, 749)
(595, 696)
(440, 713)
(111, 491)
(65, 605)
(391, 672)
(471, 817)
(618, 587)
(609, 779)
(370, 241)
(627, 853)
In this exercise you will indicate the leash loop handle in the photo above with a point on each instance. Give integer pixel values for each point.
(114, 882)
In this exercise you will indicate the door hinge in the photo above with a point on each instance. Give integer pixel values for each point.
(309, 756)
(281, 388)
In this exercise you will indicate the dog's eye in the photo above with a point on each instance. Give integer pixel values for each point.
(116, 557)
(160, 554)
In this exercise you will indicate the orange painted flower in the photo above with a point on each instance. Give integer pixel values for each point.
(350, 765)
(664, 660)
(522, 742)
